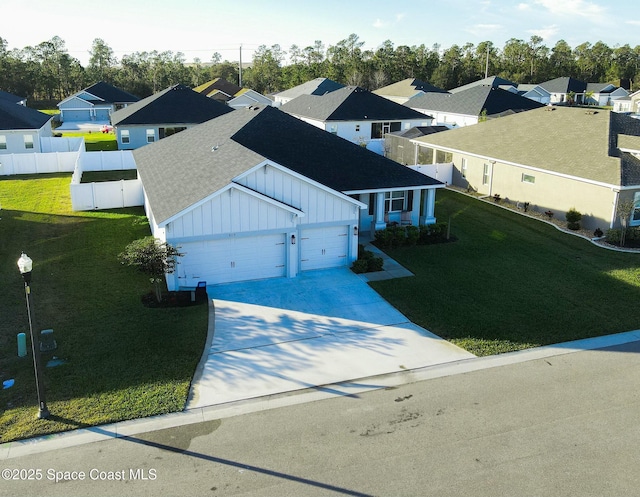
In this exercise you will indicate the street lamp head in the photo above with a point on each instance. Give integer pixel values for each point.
(25, 264)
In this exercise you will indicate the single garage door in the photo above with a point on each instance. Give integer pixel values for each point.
(232, 259)
(324, 247)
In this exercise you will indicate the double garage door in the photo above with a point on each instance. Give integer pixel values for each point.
(259, 257)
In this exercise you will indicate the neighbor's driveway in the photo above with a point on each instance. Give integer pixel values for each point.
(320, 328)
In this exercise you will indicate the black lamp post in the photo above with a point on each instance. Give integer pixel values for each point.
(25, 264)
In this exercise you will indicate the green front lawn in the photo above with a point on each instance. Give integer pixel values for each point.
(510, 283)
(95, 140)
(123, 360)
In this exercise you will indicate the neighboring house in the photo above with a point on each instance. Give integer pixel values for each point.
(561, 89)
(22, 128)
(257, 193)
(534, 92)
(491, 81)
(402, 91)
(356, 115)
(247, 97)
(603, 94)
(595, 165)
(163, 114)
(318, 87)
(95, 103)
(623, 105)
(218, 89)
(469, 106)
(13, 98)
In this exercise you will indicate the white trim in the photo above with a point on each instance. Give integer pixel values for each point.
(275, 165)
(229, 187)
(532, 168)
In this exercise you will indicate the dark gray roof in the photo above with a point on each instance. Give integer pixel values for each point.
(418, 131)
(177, 104)
(564, 85)
(317, 86)
(407, 88)
(600, 87)
(15, 116)
(187, 167)
(110, 94)
(473, 101)
(10, 97)
(350, 103)
(492, 81)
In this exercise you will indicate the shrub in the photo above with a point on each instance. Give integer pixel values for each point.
(573, 219)
(360, 266)
(384, 238)
(614, 236)
(598, 233)
(374, 263)
(413, 235)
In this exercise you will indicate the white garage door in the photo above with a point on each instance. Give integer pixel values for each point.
(324, 247)
(232, 259)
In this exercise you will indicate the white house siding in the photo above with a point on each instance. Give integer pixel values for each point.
(449, 119)
(549, 191)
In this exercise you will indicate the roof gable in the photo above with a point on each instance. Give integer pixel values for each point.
(407, 88)
(110, 93)
(350, 103)
(473, 101)
(177, 104)
(564, 85)
(317, 86)
(491, 81)
(186, 167)
(218, 84)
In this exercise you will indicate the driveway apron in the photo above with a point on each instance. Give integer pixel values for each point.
(321, 328)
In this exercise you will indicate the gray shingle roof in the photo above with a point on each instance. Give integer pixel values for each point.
(566, 140)
(564, 85)
(317, 86)
(407, 88)
(189, 166)
(473, 101)
(177, 104)
(10, 97)
(15, 116)
(492, 81)
(350, 103)
(110, 93)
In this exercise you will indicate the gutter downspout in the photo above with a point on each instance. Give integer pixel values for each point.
(616, 196)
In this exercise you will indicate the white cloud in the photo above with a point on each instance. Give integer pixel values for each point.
(523, 6)
(633, 23)
(582, 8)
(400, 17)
(546, 32)
(483, 29)
(379, 24)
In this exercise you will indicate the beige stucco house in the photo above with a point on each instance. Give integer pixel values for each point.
(554, 158)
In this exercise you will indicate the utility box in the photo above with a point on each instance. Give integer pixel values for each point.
(47, 342)
(201, 291)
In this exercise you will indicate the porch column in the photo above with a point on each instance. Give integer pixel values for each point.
(378, 221)
(429, 207)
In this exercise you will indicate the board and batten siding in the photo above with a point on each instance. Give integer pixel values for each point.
(232, 211)
(319, 205)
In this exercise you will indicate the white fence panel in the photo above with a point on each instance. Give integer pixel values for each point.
(57, 162)
(106, 195)
(107, 161)
(441, 172)
(61, 144)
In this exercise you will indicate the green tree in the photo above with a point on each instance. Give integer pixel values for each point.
(153, 258)
(101, 63)
(265, 74)
(561, 61)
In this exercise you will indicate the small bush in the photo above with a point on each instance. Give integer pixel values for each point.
(360, 266)
(598, 233)
(573, 218)
(413, 235)
(614, 236)
(374, 264)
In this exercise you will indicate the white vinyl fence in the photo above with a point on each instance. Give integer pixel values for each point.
(107, 194)
(441, 172)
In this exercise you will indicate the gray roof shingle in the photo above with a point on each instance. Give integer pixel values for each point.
(15, 116)
(187, 167)
(350, 103)
(110, 93)
(317, 86)
(177, 104)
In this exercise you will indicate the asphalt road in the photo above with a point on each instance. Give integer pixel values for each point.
(567, 425)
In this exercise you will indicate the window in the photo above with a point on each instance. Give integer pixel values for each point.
(635, 216)
(485, 175)
(425, 155)
(463, 167)
(378, 130)
(124, 136)
(527, 178)
(151, 136)
(3, 142)
(443, 157)
(28, 141)
(394, 201)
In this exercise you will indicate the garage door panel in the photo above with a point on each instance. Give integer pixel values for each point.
(324, 247)
(232, 259)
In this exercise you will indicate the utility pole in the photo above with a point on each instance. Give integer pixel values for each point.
(486, 67)
(240, 69)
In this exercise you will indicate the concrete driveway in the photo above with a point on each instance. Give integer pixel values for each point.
(321, 328)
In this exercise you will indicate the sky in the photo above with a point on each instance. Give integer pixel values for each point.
(199, 28)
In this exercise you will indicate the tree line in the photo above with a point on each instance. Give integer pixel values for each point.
(47, 72)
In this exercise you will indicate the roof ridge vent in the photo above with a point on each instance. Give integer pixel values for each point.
(590, 112)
